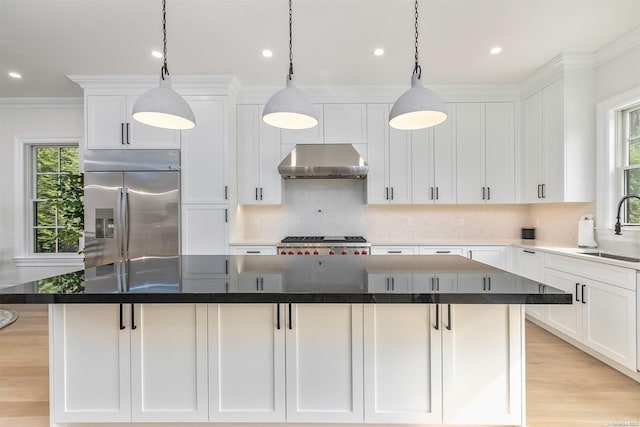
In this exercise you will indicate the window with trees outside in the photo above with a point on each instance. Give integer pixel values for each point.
(631, 162)
(52, 167)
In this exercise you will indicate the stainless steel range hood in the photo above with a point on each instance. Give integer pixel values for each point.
(323, 161)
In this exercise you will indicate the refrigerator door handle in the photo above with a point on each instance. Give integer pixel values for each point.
(118, 216)
(125, 222)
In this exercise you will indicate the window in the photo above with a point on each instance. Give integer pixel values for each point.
(630, 164)
(50, 166)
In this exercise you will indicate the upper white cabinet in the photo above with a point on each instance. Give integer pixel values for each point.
(258, 158)
(345, 123)
(559, 138)
(485, 139)
(110, 126)
(205, 152)
(314, 135)
(433, 168)
(389, 158)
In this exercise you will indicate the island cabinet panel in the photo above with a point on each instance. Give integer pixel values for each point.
(324, 363)
(90, 371)
(169, 362)
(482, 370)
(246, 363)
(390, 283)
(402, 364)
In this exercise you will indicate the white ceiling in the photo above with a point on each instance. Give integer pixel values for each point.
(46, 40)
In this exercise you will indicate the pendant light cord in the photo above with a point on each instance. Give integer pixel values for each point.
(290, 41)
(164, 70)
(417, 69)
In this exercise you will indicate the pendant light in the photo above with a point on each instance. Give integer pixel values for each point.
(162, 106)
(419, 107)
(289, 108)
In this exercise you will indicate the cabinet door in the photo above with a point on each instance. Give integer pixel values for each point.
(204, 230)
(532, 160)
(435, 283)
(481, 359)
(106, 122)
(402, 364)
(444, 158)
(530, 264)
(378, 283)
(324, 363)
(565, 318)
(246, 363)
(378, 142)
(422, 180)
(252, 282)
(145, 136)
(499, 152)
(204, 153)
(553, 117)
(169, 363)
(345, 123)
(270, 183)
(470, 127)
(248, 129)
(495, 256)
(609, 321)
(399, 158)
(90, 363)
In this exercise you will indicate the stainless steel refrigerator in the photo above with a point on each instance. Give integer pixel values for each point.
(132, 205)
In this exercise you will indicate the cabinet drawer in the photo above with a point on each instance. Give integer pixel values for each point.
(394, 250)
(444, 250)
(253, 250)
(609, 274)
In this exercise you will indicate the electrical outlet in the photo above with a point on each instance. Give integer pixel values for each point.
(460, 222)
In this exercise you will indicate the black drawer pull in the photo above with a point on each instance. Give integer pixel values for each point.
(527, 251)
(121, 318)
(277, 316)
(584, 300)
(448, 317)
(437, 326)
(577, 299)
(133, 317)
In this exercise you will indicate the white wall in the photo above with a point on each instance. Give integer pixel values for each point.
(33, 119)
(618, 75)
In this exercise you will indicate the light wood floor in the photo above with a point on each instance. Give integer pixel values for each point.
(565, 387)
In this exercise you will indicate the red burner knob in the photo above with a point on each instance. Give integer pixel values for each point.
(316, 253)
(283, 252)
(344, 252)
(356, 253)
(332, 253)
(364, 252)
(299, 252)
(290, 252)
(307, 253)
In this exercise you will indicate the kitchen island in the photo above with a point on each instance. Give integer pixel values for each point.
(218, 339)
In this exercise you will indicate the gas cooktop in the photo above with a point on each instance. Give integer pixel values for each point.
(323, 245)
(324, 239)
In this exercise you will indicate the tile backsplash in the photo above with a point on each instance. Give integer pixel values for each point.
(338, 207)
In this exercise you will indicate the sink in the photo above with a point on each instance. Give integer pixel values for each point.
(612, 256)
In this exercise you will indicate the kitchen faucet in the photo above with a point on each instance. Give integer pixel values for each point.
(630, 196)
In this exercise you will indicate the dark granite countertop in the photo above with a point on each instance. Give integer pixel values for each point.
(280, 279)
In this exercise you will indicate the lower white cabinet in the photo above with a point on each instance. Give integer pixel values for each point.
(495, 256)
(123, 363)
(205, 229)
(254, 250)
(435, 282)
(487, 283)
(451, 364)
(443, 250)
(254, 282)
(390, 283)
(395, 250)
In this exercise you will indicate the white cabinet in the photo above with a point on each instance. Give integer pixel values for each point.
(394, 250)
(482, 372)
(345, 123)
(324, 363)
(442, 250)
(246, 363)
(529, 263)
(205, 229)
(601, 317)
(254, 250)
(201, 274)
(205, 153)
(402, 364)
(485, 283)
(389, 158)
(495, 256)
(110, 126)
(253, 282)
(435, 282)
(485, 139)
(258, 158)
(122, 363)
(390, 283)
(433, 168)
(559, 140)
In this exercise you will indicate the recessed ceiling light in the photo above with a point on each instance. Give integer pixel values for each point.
(496, 50)
(156, 54)
(378, 52)
(15, 75)
(267, 53)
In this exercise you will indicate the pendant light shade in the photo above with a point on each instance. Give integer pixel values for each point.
(289, 109)
(162, 106)
(417, 108)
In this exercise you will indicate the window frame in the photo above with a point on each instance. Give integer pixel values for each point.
(23, 220)
(622, 142)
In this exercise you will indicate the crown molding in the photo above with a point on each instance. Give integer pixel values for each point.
(27, 102)
(555, 69)
(617, 47)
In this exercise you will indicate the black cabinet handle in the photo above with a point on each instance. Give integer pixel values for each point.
(584, 300)
(433, 288)
(261, 193)
(391, 193)
(256, 193)
(290, 318)
(437, 326)
(438, 284)
(394, 252)
(538, 191)
(488, 193)
(484, 283)
(226, 266)
(544, 195)
(254, 252)
(577, 285)
(437, 193)
(262, 283)
(483, 193)
(393, 284)
(277, 316)
(387, 284)
(122, 133)
(387, 190)
(443, 252)
(431, 193)
(133, 317)
(526, 251)
(226, 215)
(226, 192)
(448, 317)
(121, 318)
(128, 126)
(489, 284)
(257, 284)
